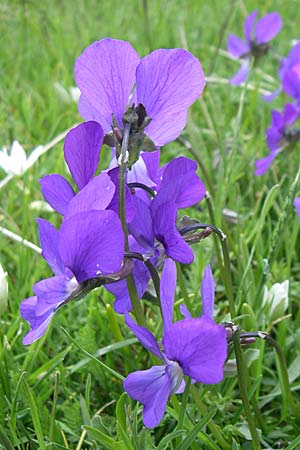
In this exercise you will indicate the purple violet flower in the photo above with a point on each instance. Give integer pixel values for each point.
(167, 82)
(88, 244)
(153, 229)
(257, 35)
(196, 347)
(279, 135)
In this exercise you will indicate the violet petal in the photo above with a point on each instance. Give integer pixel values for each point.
(91, 243)
(236, 47)
(57, 191)
(167, 292)
(38, 324)
(48, 235)
(208, 293)
(82, 150)
(167, 83)
(145, 337)
(267, 27)
(200, 348)
(105, 74)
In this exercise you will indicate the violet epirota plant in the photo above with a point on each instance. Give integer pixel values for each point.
(258, 34)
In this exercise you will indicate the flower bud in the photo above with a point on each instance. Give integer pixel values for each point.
(3, 291)
(277, 299)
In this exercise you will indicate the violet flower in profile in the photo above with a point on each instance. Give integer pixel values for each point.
(195, 347)
(88, 244)
(280, 134)
(153, 228)
(167, 82)
(257, 35)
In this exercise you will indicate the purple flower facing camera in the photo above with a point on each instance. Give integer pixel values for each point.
(258, 33)
(195, 347)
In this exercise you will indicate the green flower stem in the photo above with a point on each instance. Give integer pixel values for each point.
(242, 370)
(183, 406)
(183, 290)
(213, 427)
(135, 301)
(242, 374)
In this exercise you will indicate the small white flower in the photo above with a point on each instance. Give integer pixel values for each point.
(71, 94)
(3, 291)
(15, 161)
(277, 299)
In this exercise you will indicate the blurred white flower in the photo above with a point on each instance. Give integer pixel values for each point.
(40, 205)
(3, 291)
(277, 299)
(15, 162)
(71, 94)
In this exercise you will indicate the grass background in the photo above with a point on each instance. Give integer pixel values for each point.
(63, 388)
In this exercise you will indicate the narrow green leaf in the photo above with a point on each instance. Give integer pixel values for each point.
(170, 437)
(35, 415)
(294, 445)
(186, 443)
(5, 441)
(108, 442)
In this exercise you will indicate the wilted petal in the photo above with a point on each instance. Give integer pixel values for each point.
(200, 348)
(105, 74)
(249, 26)
(52, 292)
(167, 292)
(48, 235)
(167, 83)
(208, 293)
(236, 47)
(297, 207)
(38, 324)
(145, 337)
(267, 27)
(57, 191)
(97, 194)
(91, 243)
(152, 388)
(82, 150)
(242, 73)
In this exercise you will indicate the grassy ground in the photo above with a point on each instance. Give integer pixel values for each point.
(49, 390)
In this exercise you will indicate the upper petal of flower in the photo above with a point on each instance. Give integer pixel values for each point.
(145, 337)
(82, 150)
(267, 27)
(297, 207)
(105, 75)
(167, 292)
(48, 235)
(91, 243)
(38, 324)
(200, 348)
(152, 388)
(236, 47)
(208, 293)
(167, 83)
(249, 26)
(57, 191)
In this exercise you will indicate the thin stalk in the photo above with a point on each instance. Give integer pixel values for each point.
(183, 407)
(242, 377)
(183, 290)
(53, 412)
(135, 301)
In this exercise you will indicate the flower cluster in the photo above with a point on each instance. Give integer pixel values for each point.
(284, 129)
(121, 220)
